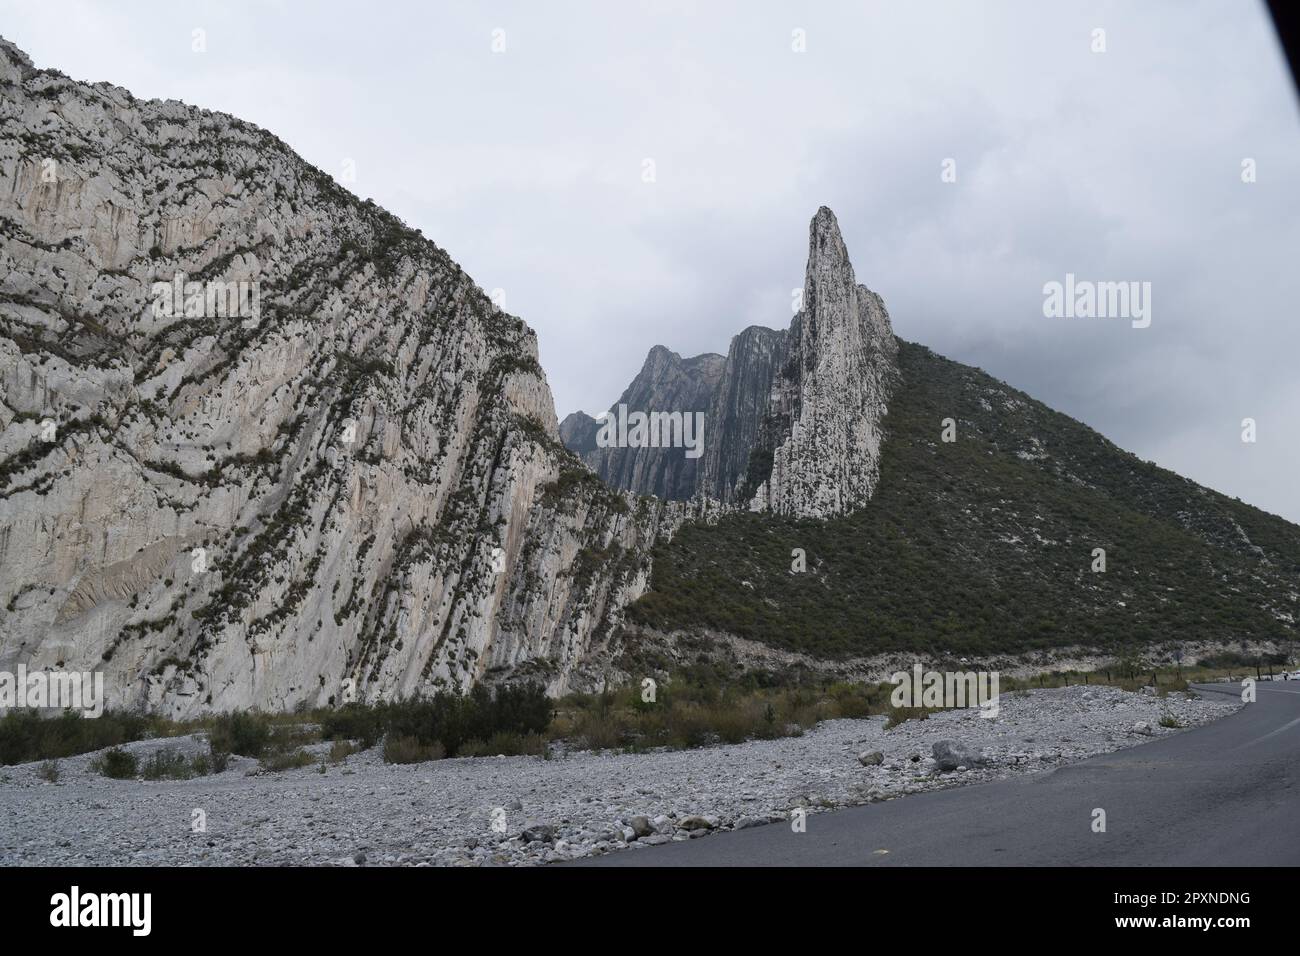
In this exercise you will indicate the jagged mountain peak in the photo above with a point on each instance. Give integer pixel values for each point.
(791, 416)
(826, 249)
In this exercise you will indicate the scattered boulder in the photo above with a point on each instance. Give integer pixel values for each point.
(538, 833)
(1143, 728)
(871, 758)
(641, 825)
(951, 754)
(697, 823)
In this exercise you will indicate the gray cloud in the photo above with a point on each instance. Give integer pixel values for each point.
(526, 166)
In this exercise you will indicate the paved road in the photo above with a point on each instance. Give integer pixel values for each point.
(1224, 794)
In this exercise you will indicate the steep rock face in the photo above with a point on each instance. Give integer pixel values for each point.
(829, 399)
(793, 421)
(578, 432)
(739, 408)
(666, 383)
(346, 482)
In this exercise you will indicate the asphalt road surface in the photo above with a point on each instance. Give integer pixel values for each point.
(1226, 794)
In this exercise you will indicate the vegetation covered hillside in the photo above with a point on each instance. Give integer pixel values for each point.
(985, 544)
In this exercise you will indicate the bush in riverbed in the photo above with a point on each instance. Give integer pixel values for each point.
(167, 764)
(242, 733)
(451, 720)
(26, 735)
(287, 760)
(363, 723)
(341, 750)
(116, 763)
(409, 749)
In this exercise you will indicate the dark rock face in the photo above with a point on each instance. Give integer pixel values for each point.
(740, 406)
(792, 418)
(666, 383)
(578, 432)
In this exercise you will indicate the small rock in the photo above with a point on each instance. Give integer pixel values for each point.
(697, 823)
(539, 833)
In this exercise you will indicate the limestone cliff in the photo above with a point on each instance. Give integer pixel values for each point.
(261, 443)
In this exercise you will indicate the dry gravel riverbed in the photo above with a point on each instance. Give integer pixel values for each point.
(451, 812)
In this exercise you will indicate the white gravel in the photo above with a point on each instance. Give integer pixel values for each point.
(443, 812)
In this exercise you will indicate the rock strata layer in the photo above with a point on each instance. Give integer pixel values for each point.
(262, 444)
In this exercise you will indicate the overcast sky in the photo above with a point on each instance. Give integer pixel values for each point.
(528, 166)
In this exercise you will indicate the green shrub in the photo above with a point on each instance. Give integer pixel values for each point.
(48, 771)
(242, 733)
(25, 735)
(360, 722)
(287, 760)
(450, 720)
(116, 763)
(167, 764)
(340, 750)
(409, 749)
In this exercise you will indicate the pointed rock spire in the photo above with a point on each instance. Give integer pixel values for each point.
(829, 462)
